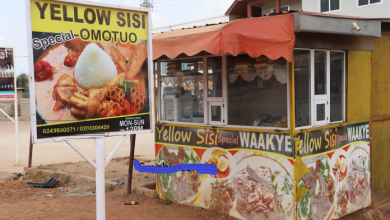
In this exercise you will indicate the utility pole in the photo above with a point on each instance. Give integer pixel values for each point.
(147, 4)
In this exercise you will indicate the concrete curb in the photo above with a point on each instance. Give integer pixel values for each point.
(148, 189)
(66, 178)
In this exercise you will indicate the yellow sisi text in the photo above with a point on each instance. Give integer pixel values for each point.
(89, 22)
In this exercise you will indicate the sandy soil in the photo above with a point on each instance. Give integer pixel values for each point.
(75, 201)
(378, 213)
(60, 152)
(71, 201)
(18, 201)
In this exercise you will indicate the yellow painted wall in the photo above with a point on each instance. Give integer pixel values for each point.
(359, 86)
(380, 129)
(381, 77)
(380, 160)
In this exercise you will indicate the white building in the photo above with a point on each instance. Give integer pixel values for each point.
(258, 8)
(360, 8)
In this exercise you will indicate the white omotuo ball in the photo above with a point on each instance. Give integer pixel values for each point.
(94, 68)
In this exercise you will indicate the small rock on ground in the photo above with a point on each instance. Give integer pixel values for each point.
(13, 176)
(119, 181)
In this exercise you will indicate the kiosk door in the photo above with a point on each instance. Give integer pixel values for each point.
(320, 76)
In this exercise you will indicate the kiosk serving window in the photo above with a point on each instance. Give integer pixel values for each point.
(257, 91)
(181, 91)
(319, 87)
(241, 91)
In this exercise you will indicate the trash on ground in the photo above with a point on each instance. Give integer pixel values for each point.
(49, 184)
(131, 203)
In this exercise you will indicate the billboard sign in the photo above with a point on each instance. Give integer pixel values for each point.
(92, 70)
(7, 74)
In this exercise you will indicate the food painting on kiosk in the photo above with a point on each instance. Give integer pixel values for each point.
(337, 180)
(90, 69)
(255, 171)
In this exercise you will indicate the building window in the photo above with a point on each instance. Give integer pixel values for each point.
(283, 8)
(181, 91)
(319, 87)
(368, 2)
(257, 91)
(229, 90)
(329, 5)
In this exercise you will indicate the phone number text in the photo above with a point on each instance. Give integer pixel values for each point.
(75, 129)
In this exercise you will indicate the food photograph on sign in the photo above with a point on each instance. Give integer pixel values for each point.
(90, 63)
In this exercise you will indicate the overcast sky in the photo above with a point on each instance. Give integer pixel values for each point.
(165, 12)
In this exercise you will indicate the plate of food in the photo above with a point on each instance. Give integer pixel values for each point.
(77, 80)
(216, 194)
(223, 159)
(339, 165)
(182, 186)
(265, 189)
(318, 201)
(358, 179)
(354, 193)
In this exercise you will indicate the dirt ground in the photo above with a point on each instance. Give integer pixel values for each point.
(378, 213)
(59, 152)
(77, 201)
(73, 201)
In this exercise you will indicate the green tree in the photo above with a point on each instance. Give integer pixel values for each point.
(22, 81)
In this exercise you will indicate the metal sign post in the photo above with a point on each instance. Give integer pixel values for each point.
(16, 128)
(100, 180)
(100, 164)
(16, 124)
(8, 88)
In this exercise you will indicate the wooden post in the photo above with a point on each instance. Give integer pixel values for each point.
(371, 125)
(30, 151)
(130, 177)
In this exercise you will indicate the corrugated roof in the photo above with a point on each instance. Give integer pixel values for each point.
(206, 25)
(385, 20)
